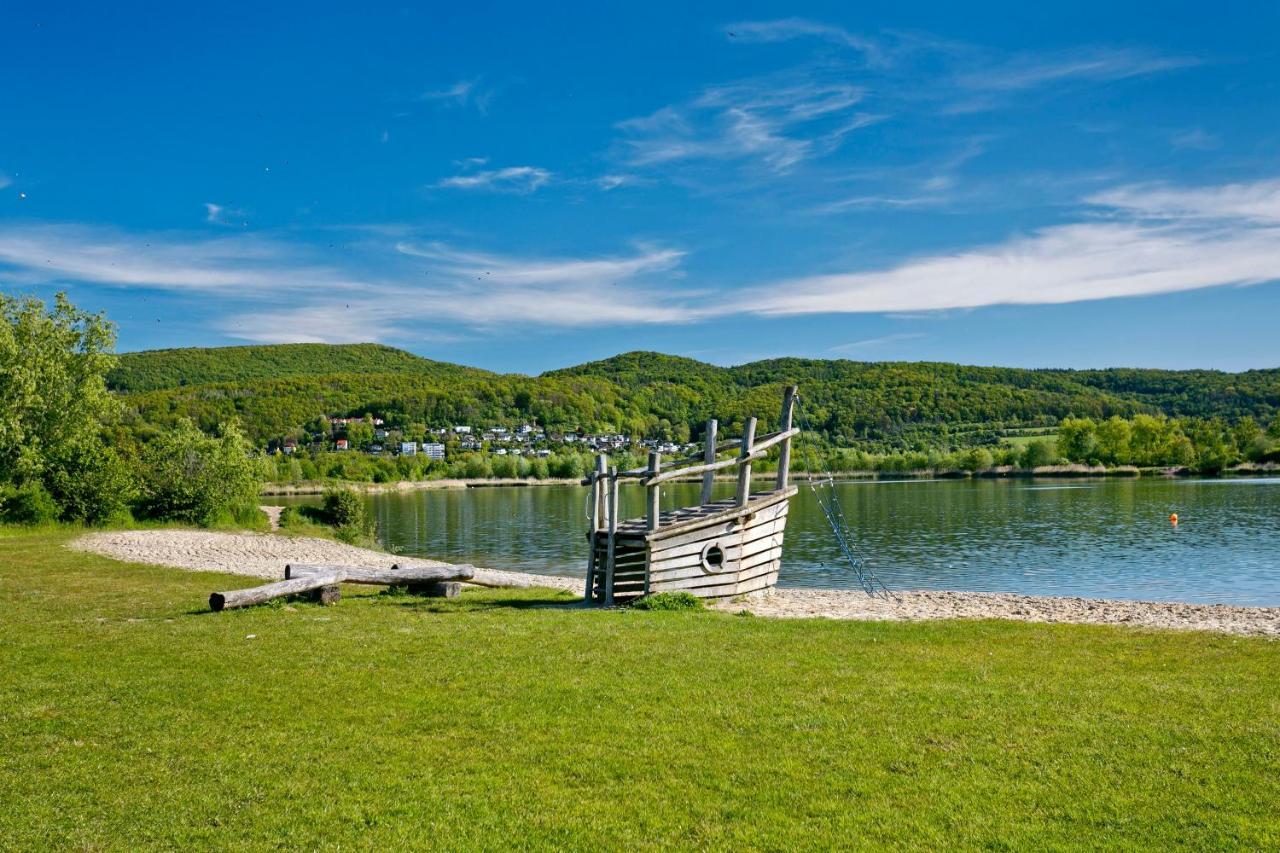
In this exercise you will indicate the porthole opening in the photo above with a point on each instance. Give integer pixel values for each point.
(713, 558)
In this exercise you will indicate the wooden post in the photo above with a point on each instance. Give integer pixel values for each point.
(613, 536)
(601, 496)
(652, 492)
(597, 521)
(744, 468)
(709, 456)
(784, 457)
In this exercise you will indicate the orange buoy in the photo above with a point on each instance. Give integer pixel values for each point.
(1173, 519)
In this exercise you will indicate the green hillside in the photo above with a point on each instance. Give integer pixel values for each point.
(174, 368)
(880, 406)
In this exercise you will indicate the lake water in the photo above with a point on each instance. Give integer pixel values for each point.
(1093, 538)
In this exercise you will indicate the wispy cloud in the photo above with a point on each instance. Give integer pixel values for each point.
(463, 93)
(1194, 139)
(383, 284)
(395, 284)
(477, 290)
(241, 265)
(787, 29)
(1156, 241)
(777, 122)
(5, 180)
(512, 179)
(1098, 64)
(871, 343)
(220, 214)
(613, 182)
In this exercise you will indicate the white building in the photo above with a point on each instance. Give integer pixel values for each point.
(432, 450)
(408, 448)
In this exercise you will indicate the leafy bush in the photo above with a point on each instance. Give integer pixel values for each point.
(29, 503)
(190, 476)
(92, 485)
(669, 601)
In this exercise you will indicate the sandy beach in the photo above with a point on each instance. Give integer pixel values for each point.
(263, 555)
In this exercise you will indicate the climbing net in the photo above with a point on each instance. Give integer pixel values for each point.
(823, 487)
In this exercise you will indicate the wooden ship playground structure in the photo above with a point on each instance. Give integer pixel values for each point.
(717, 549)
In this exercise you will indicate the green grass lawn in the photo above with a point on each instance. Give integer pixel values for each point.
(132, 717)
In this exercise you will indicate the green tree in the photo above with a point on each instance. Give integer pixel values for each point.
(55, 406)
(52, 390)
(1038, 453)
(1078, 440)
(1114, 435)
(360, 433)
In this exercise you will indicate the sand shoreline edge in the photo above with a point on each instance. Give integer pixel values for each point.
(264, 555)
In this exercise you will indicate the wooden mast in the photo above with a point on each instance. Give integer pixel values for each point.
(744, 466)
(709, 457)
(784, 457)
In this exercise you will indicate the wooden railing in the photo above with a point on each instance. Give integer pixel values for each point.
(705, 464)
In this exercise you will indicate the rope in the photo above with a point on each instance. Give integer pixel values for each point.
(824, 491)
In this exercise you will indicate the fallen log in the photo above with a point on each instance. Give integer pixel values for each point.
(396, 575)
(220, 601)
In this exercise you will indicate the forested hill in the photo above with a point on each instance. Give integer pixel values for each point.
(278, 391)
(174, 368)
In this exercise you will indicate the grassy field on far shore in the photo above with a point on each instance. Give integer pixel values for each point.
(131, 717)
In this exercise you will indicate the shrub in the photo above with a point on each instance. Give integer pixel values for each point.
(343, 507)
(669, 601)
(190, 476)
(349, 515)
(29, 503)
(92, 485)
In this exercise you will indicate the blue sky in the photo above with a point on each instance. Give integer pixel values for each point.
(521, 188)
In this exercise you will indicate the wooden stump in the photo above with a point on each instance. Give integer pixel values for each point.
(326, 595)
(436, 589)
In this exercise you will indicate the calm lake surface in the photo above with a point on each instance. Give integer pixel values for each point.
(1092, 538)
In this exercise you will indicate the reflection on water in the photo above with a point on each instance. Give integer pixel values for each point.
(1104, 538)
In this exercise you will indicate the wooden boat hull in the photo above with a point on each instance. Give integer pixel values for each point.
(717, 550)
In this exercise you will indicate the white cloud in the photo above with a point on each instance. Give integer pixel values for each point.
(1258, 201)
(1157, 241)
(5, 180)
(513, 179)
